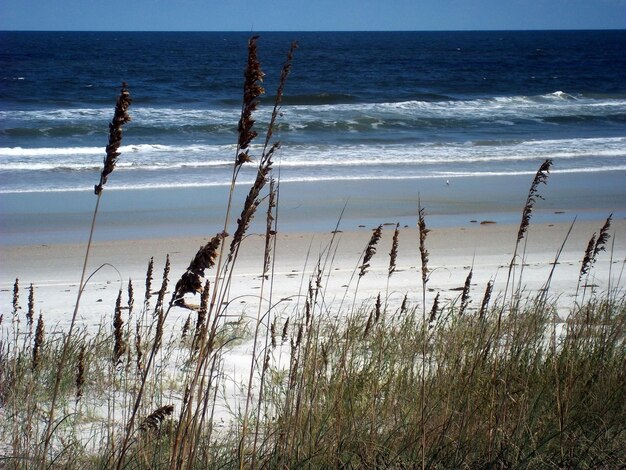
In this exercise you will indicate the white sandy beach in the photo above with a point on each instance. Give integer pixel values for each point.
(54, 270)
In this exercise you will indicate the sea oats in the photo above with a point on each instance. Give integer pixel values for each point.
(465, 295)
(120, 117)
(118, 334)
(370, 250)
(423, 232)
(191, 280)
(541, 177)
(153, 420)
(393, 254)
(486, 298)
(38, 343)
(434, 310)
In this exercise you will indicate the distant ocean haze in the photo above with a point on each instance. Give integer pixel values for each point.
(358, 107)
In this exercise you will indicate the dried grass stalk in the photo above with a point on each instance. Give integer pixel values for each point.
(138, 347)
(279, 92)
(265, 162)
(154, 420)
(270, 232)
(252, 89)
(39, 339)
(120, 117)
(465, 294)
(273, 334)
(16, 296)
(131, 298)
(370, 250)
(423, 232)
(595, 247)
(393, 254)
(368, 325)
(201, 320)
(186, 327)
(252, 199)
(603, 238)
(434, 310)
(486, 298)
(403, 305)
(30, 314)
(191, 280)
(161, 295)
(158, 309)
(149, 274)
(533, 194)
(119, 346)
(285, 333)
(588, 257)
(80, 373)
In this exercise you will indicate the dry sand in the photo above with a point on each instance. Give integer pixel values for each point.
(54, 270)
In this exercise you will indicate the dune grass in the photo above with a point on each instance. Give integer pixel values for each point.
(504, 384)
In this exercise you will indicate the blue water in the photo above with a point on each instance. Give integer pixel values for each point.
(357, 105)
(370, 117)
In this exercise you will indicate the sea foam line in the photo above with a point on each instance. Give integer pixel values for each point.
(312, 179)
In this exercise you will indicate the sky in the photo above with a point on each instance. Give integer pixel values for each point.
(310, 15)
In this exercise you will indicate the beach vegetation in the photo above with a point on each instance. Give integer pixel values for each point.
(391, 381)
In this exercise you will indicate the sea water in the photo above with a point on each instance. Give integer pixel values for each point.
(364, 115)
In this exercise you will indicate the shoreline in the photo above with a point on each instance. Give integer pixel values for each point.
(52, 218)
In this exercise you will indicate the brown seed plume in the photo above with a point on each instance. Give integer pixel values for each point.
(158, 308)
(603, 238)
(368, 326)
(405, 301)
(149, 273)
(138, 347)
(16, 296)
(533, 194)
(485, 303)
(252, 199)
(131, 298)
(273, 334)
(423, 231)
(265, 162)
(80, 373)
(252, 89)
(191, 280)
(186, 327)
(164, 279)
(30, 314)
(285, 333)
(39, 339)
(270, 231)
(595, 246)
(465, 294)
(201, 319)
(588, 258)
(393, 254)
(119, 346)
(153, 420)
(120, 117)
(433, 311)
(370, 250)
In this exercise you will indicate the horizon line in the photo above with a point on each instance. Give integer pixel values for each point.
(304, 30)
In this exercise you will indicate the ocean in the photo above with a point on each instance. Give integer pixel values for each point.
(406, 108)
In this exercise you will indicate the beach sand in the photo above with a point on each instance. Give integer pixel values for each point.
(486, 248)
